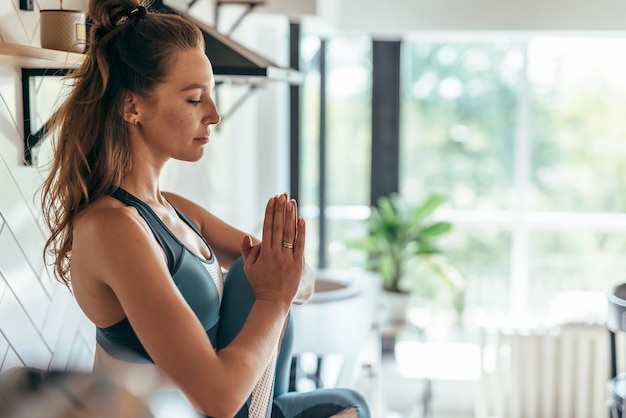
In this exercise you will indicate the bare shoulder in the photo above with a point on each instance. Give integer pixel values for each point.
(105, 218)
(109, 235)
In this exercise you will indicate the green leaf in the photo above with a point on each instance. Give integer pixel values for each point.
(425, 250)
(388, 271)
(425, 209)
(387, 210)
(436, 229)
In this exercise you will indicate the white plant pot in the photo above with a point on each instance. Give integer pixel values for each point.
(395, 306)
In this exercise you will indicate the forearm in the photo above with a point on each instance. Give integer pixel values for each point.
(245, 359)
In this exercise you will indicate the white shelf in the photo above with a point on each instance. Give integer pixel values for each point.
(23, 56)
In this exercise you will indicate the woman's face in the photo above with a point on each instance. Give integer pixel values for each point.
(174, 122)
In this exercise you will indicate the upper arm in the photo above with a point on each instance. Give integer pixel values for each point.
(223, 238)
(122, 253)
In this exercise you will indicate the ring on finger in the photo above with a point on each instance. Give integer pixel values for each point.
(288, 245)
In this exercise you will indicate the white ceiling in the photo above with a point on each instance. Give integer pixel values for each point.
(398, 17)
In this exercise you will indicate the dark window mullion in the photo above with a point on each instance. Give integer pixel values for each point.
(385, 118)
(295, 111)
(322, 256)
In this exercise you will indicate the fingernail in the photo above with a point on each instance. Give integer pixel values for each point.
(289, 207)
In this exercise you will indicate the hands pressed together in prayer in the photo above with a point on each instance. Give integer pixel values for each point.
(274, 266)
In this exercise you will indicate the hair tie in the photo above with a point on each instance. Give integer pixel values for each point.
(137, 12)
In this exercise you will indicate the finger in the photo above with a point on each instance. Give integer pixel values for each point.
(295, 215)
(268, 221)
(289, 233)
(298, 246)
(278, 224)
(250, 251)
(253, 255)
(246, 246)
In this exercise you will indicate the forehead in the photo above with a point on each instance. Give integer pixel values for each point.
(188, 67)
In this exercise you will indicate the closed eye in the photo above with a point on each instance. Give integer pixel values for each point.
(194, 102)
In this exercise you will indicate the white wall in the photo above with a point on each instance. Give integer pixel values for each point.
(40, 324)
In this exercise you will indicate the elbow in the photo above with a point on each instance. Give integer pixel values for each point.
(226, 408)
(221, 401)
(223, 397)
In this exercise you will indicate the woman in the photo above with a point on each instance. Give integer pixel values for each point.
(143, 264)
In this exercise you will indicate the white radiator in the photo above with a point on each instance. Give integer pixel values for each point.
(558, 373)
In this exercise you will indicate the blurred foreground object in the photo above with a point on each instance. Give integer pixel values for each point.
(28, 392)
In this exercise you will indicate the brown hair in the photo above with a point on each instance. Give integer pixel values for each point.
(129, 50)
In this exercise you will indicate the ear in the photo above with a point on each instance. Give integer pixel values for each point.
(130, 111)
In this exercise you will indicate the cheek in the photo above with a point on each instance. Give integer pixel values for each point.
(175, 119)
(181, 118)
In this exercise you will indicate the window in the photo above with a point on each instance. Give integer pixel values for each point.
(347, 146)
(526, 139)
(524, 136)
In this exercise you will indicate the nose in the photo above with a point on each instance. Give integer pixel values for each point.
(213, 116)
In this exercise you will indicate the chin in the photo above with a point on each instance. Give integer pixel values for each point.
(191, 158)
(200, 154)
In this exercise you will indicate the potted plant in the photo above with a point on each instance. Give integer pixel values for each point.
(402, 247)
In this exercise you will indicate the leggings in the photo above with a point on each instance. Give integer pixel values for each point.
(237, 302)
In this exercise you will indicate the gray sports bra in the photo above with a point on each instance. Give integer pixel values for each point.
(190, 274)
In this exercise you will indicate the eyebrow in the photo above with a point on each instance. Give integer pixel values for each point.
(196, 86)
